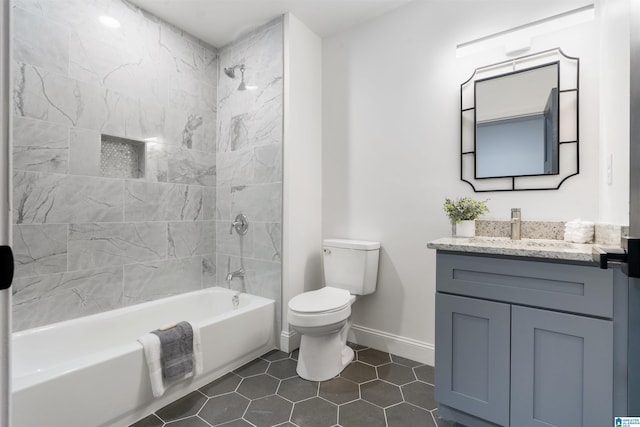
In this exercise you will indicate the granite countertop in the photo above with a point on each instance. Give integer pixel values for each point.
(534, 248)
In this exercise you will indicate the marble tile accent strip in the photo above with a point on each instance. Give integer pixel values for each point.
(49, 198)
(101, 245)
(551, 230)
(52, 298)
(39, 249)
(186, 239)
(40, 146)
(158, 279)
(145, 201)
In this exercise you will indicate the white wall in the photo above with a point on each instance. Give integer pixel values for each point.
(302, 185)
(614, 106)
(391, 148)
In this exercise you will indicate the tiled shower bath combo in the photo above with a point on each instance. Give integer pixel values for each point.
(94, 233)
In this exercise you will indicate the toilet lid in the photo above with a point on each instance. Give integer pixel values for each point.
(325, 299)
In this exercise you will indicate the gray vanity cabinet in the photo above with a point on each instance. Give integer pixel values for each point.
(523, 343)
(561, 369)
(473, 343)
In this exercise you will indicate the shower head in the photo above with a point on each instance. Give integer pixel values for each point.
(231, 71)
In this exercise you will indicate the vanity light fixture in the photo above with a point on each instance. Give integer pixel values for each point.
(518, 39)
(109, 21)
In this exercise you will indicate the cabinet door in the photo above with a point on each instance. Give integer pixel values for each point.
(561, 369)
(472, 356)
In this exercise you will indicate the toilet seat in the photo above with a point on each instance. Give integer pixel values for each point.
(323, 307)
(323, 300)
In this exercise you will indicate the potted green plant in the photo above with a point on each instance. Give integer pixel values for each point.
(462, 213)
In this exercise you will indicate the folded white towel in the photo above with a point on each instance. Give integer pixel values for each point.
(151, 345)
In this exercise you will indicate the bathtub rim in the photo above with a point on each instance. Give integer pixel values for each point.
(27, 379)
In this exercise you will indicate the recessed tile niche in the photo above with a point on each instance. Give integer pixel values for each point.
(121, 157)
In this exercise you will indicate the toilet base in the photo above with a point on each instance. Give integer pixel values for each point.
(325, 356)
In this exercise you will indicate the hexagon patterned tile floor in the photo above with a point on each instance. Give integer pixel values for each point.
(376, 389)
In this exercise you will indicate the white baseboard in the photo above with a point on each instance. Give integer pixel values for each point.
(401, 346)
(289, 341)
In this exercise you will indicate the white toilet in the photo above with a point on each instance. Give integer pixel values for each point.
(322, 317)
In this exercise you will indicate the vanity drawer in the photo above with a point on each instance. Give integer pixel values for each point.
(564, 287)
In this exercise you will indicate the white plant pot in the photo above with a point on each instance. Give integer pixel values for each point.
(466, 228)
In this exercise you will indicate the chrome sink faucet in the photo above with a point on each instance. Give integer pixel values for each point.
(516, 222)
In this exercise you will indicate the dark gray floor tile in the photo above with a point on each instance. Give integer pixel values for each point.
(225, 408)
(274, 355)
(405, 415)
(424, 373)
(359, 372)
(404, 361)
(315, 412)
(183, 407)
(268, 411)
(294, 354)
(374, 357)
(255, 367)
(361, 414)
(150, 421)
(287, 424)
(356, 347)
(396, 374)
(338, 390)
(236, 423)
(222, 385)
(419, 394)
(258, 386)
(297, 389)
(381, 393)
(283, 369)
(188, 422)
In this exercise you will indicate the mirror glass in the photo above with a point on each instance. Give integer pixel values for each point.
(516, 123)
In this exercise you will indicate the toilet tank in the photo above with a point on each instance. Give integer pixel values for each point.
(351, 265)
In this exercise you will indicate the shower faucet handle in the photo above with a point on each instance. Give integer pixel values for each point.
(241, 224)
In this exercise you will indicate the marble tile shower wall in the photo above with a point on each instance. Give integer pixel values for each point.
(249, 161)
(86, 243)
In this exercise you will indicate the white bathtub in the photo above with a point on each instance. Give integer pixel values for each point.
(91, 371)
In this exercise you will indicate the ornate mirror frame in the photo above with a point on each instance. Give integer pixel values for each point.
(568, 118)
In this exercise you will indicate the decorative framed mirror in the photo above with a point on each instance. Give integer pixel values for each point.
(519, 127)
